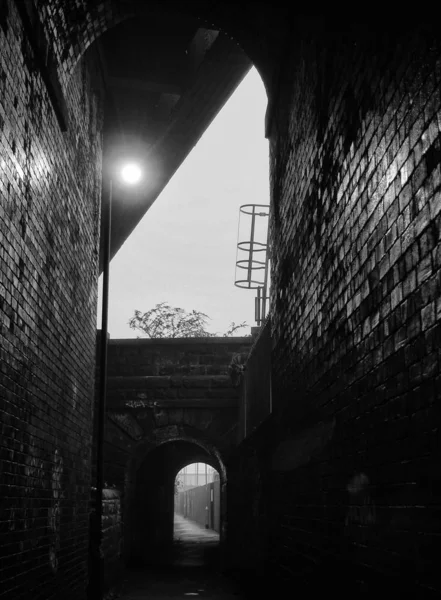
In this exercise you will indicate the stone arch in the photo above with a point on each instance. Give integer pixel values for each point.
(215, 448)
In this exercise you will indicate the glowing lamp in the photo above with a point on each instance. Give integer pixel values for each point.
(131, 174)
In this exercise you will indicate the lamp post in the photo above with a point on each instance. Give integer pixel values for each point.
(130, 174)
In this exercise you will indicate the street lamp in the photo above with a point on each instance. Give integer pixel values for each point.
(131, 174)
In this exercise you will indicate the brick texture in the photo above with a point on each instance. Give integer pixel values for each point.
(167, 386)
(112, 538)
(345, 471)
(166, 390)
(355, 234)
(49, 214)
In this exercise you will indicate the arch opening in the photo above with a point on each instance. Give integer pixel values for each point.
(197, 515)
(150, 68)
(197, 518)
(152, 538)
(73, 42)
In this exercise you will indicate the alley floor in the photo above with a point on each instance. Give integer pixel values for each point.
(192, 571)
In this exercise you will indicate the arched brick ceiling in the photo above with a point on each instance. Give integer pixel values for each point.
(256, 26)
(169, 67)
(169, 458)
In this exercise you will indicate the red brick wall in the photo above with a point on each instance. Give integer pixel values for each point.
(49, 212)
(355, 181)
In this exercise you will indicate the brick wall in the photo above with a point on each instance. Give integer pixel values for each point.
(175, 384)
(179, 356)
(112, 543)
(356, 256)
(112, 537)
(49, 214)
(255, 385)
(163, 392)
(247, 512)
(347, 464)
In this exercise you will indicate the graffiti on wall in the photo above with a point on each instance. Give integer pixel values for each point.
(54, 515)
(42, 473)
(34, 470)
(34, 480)
(361, 506)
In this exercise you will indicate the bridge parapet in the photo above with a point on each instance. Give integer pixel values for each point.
(171, 391)
(181, 382)
(174, 357)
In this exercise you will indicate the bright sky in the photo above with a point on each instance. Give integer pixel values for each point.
(183, 251)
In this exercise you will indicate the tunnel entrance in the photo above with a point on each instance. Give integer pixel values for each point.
(173, 521)
(197, 496)
(197, 518)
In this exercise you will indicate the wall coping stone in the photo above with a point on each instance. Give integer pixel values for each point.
(182, 341)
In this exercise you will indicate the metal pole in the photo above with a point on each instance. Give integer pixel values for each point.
(258, 304)
(207, 508)
(102, 393)
(250, 261)
(245, 407)
(265, 283)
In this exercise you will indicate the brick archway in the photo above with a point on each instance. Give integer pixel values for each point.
(75, 27)
(149, 498)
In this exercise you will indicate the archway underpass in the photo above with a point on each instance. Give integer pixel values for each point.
(197, 517)
(172, 554)
(166, 410)
(153, 506)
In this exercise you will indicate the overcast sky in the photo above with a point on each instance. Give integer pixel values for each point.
(183, 251)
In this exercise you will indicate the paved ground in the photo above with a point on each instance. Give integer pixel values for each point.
(193, 543)
(188, 531)
(192, 570)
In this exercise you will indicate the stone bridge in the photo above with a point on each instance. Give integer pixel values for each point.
(169, 402)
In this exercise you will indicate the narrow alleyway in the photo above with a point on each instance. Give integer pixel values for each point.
(193, 569)
(194, 545)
